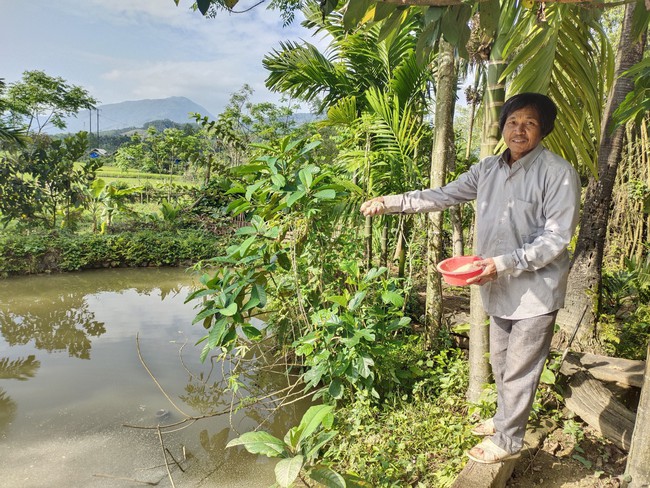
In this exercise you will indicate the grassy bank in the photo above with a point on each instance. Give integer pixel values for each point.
(52, 251)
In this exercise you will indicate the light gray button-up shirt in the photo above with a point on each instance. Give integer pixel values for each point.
(526, 217)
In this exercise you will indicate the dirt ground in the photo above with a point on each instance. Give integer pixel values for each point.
(564, 463)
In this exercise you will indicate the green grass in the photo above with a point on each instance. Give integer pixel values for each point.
(138, 178)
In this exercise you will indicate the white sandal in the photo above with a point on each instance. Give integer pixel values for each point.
(485, 428)
(490, 453)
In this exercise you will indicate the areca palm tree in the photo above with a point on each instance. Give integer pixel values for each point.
(352, 64)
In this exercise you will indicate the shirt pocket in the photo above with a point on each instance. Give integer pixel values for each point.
(527, 222)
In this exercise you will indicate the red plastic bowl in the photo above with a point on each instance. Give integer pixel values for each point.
(449, 266)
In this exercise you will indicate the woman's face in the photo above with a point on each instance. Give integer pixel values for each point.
(522, 132)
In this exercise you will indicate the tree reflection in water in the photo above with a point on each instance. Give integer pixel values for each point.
(19, 369)
(62, 321)
(67, 327)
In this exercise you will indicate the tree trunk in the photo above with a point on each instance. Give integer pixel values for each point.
(385, 229)
(457, 241)
(585, 276)
(479, 369)
(637, 469)
(367, 237)
(367, 231)
(442, 152)
(403, 233)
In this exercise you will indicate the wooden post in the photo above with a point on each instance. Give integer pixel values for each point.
(637, 470)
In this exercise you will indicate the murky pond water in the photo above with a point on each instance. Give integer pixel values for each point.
(71, 380)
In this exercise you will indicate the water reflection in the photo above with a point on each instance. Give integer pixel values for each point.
(20, 369)
(68, 328)
(7, 410)
(77, 414)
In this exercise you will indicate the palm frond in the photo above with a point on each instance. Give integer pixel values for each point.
(568, 58)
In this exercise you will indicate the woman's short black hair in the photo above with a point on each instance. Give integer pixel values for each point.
(546, 110)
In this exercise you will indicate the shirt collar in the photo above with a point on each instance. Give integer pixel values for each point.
(526, 161)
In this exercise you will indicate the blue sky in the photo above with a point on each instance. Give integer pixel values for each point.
(136, 49)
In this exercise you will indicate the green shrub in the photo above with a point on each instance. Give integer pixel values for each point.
(414, 440)
(52, 251)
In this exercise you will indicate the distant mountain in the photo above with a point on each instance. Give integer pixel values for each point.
(136, 113)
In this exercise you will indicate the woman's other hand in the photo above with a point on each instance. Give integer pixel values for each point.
(373, 207)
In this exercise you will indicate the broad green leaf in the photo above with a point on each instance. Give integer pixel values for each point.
(250, 189)
(325, 194)
(253, 333)
(294, 197)
(204, 352)
(243, 247)
(306, 177)
(311, 420)
(354, 12)
(199, 294)
(284, 261)
(363, 365)
(461, 328)
(356, 300)
(392, 23)
(327, 477)
(216, 333)
(287, 470)
(260, 290)
(489, 16)
(323, 438)
(278, 180)
(547, 376)
(246, 231)
(203, 6)
(339, 299)
(252, 302)
(229, 311)
(396, 324)
(336, 389)
(374, 272)
(260, 443)
(366, 334)
(205, 313)
(304, 349)
(392, 297)
(313, 375)
(383, 10)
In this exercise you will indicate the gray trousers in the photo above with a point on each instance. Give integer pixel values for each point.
(518, 351)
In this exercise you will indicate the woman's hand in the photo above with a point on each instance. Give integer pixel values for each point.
(373, 207)
(489, 272)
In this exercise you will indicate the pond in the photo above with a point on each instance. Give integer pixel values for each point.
(74, 387)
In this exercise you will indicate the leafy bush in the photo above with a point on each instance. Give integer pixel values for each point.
(51, 251)
(345, 349)
(625, 321)
(416, 440)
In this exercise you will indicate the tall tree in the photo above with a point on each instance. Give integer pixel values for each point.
(442, 152)
(39, 100)
(8, 133)
(586, 269)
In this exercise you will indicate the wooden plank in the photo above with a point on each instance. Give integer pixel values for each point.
(477, 475)
(604, 368)
(596, 405)
(619, 370)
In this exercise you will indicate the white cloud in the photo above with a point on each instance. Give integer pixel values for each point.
(131, 49)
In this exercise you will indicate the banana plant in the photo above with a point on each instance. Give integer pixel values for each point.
(107, 199)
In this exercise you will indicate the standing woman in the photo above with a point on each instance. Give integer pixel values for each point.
(527, 205)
